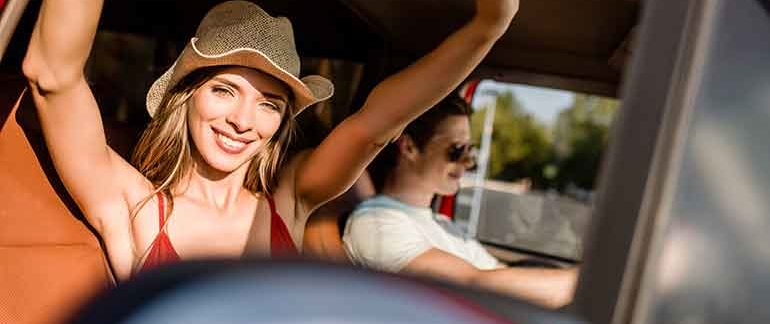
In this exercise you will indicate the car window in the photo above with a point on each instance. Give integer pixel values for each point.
(540, 150)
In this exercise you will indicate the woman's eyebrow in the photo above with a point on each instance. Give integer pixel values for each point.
(276, 96)
(227, 82)
(267, 94)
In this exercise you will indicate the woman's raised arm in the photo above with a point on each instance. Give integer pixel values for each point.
(342, 156)
(60, 45)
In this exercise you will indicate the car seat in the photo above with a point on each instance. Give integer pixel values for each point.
(50, 261)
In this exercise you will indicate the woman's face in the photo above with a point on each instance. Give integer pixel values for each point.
(433, 163)
(233, 115)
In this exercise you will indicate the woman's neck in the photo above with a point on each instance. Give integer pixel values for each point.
(218, 189)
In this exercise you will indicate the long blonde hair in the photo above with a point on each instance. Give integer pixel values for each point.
(164, 154)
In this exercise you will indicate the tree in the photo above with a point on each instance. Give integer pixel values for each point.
(580, 137)
(520, 146)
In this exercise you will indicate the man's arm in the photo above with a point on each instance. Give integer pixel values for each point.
(551, 288)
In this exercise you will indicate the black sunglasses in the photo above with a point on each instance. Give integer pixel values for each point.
(458, 152)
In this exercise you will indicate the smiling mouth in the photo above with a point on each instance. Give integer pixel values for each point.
(229, 144)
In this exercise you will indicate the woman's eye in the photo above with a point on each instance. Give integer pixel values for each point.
(270, 105)
(222, 91)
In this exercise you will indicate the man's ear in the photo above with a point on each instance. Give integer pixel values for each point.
(406, 146)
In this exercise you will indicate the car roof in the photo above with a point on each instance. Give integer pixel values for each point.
(556, 43)
(559, 43)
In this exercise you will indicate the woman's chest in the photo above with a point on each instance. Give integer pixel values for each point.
(195, 234)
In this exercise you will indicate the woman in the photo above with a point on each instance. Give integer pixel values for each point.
(397, 231)
(209, 175)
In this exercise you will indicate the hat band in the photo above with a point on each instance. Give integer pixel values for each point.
(242, 49)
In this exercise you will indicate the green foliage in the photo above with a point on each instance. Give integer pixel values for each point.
(520, 145)
(522, 148)
(580, 138)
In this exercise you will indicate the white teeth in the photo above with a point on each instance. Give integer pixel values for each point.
(235, 145)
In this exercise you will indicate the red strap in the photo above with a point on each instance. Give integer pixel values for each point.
(281, 244)
(162, 251)
(161, 212)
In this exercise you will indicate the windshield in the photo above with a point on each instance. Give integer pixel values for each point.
(540, 150)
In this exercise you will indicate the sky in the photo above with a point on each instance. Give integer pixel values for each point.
(543, 103)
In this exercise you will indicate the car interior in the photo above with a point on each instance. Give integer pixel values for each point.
(676, 65)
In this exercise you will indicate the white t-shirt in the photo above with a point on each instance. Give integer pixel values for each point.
(385, 234)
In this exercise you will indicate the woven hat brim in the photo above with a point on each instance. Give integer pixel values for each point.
(306, 91)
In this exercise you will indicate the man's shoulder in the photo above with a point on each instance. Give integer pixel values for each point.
(377, 206)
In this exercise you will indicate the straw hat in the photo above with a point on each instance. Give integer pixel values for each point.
(241, 33)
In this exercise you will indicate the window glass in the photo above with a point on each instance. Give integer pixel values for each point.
(539, 154)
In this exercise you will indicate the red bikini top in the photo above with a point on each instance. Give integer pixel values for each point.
(162, 251)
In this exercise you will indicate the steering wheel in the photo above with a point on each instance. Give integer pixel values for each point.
(297, 292)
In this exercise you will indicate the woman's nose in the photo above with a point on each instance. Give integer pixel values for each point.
(241, 118)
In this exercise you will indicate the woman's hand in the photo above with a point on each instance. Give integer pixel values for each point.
(496, 14)
(335, 164)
